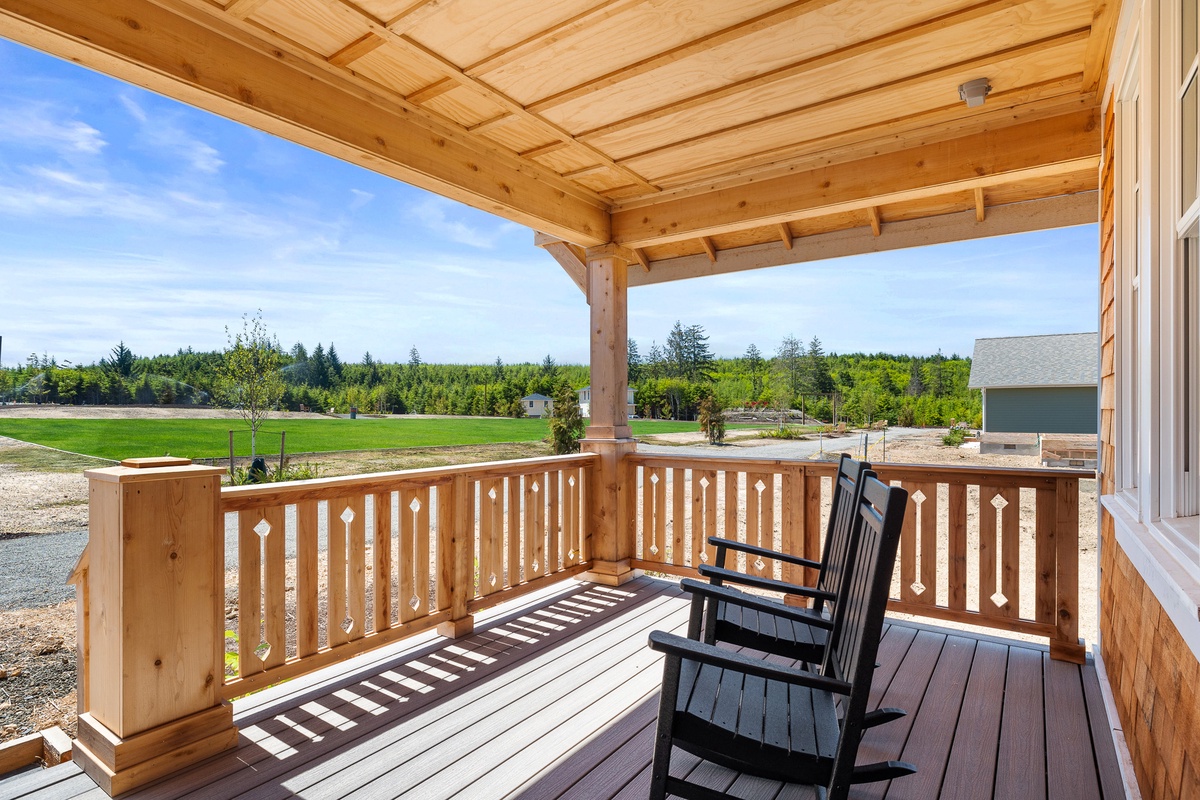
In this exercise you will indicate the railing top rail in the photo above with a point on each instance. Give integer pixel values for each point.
(977, 474)
(722, 463)
(241, 498)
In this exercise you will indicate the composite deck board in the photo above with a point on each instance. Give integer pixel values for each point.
(558, 699)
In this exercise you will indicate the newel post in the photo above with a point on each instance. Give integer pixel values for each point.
(1066, 645)
(456, 546)
(609, 435)
(154, 623)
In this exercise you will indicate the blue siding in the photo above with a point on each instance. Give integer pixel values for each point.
(1041, 410)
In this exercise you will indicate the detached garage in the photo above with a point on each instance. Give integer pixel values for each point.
(1037, 384)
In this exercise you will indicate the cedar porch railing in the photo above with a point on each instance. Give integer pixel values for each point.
(361, 561)
(987, 546)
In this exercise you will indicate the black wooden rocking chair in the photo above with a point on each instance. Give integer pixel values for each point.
(769, 626)
(778, 722)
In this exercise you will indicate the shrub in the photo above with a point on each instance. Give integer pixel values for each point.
(954, 437)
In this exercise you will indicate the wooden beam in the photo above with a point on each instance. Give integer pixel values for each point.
(435, 89)
(1099, 46)
(785, 234)
(183, 52)
(498, 121)
(980, 210)
(1055, 146)
(639, 255)
(356, 50)
(570, 257)
(707, 244)
(544, 149)
(1054, 212)
(876, 222)
(416, 13)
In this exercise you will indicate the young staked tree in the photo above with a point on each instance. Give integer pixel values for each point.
(754, 365)
(566, 421)
(712, 420)
(250, 378)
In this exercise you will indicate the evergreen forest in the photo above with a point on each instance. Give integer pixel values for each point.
(670, 380)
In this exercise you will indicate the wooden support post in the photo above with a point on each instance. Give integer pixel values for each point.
(456, 538)
(1066, 645)
(155, 622)
(609, 435)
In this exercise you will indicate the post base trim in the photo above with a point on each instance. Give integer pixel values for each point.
(457, 628)
(118, 764)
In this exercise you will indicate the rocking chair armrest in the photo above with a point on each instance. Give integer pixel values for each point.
(765, 552)
(770, 584)
(692, 650)
(737, 597)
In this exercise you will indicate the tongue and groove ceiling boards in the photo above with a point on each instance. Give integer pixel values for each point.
(680, 129)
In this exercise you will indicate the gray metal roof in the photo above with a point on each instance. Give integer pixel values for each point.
(536, 396)
(1066, 359)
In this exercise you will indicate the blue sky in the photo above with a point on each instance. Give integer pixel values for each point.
(128, 216)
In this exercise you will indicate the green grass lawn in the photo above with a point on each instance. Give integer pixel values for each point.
(209, 438)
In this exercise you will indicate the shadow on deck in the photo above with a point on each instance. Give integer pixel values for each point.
(556, 696)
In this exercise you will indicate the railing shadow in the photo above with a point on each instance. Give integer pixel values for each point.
(331, 722)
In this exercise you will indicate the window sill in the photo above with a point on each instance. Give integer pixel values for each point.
(1169, 572)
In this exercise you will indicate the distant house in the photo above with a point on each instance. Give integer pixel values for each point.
(585, 401)
(537, 405)
(1038, 384)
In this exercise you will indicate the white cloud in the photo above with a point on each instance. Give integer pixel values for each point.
(361, 198)
(432, 213)
(36, 124)
(135, 111)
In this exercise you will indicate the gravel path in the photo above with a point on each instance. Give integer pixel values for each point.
(34, 569)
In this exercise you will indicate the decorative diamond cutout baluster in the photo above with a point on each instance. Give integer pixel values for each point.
(704, 556)
(492, 579)
(760, 486)
(654, 548)
(415, 505)
(262, 528)
(918, 587)
(999, 599)
(654, 478)
(704, 481)
(414, 603)
(571, 481)
(347, 624)
(998, 502)
(535, 488)
(918, 497)
(491, 494)
(263, 650)
(759, 564)
(347, 516)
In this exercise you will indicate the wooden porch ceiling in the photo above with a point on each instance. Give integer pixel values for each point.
(678, 129)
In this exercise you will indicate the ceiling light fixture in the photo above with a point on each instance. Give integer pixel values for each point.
(974, 92)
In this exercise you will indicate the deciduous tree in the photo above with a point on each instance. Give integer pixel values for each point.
(249, 378)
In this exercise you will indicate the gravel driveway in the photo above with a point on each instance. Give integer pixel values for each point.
(34, 569)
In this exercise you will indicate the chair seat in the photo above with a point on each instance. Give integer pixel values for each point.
(768, 633)
(736, 720)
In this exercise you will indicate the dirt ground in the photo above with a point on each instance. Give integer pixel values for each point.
(44, 491)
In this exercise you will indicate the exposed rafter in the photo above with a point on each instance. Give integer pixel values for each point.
(876, 220)
(711, 250)
(785, 235)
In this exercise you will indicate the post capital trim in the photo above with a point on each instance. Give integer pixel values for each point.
(611, 250)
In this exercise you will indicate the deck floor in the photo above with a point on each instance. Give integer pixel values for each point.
(555, 697)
